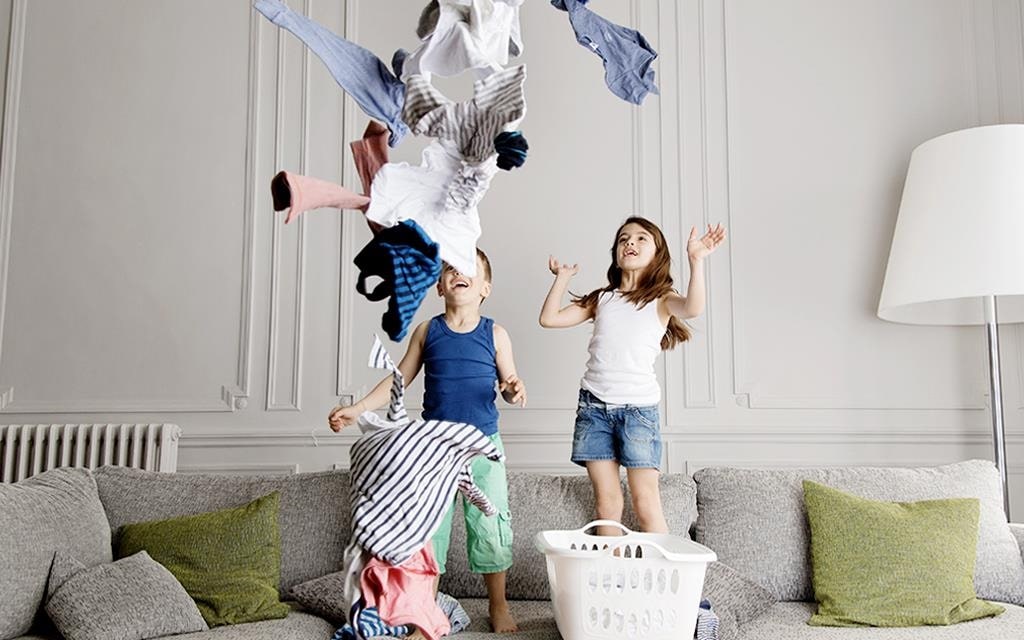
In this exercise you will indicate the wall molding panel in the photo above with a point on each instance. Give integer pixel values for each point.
(8, 156)
(750, 392)
(232, 396)
(297, 295)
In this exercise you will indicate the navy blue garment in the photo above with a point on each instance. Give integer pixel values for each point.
(511, 147)
(626, 53)
(377, 91)
(460, 375)
(407, 261)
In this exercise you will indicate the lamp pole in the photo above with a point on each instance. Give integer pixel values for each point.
(996, 387)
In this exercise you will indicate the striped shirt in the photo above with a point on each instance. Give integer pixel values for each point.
(498, 104)
(405, 473)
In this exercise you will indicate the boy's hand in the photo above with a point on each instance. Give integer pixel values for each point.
(513, 390)
(341, 417)
(559, 269)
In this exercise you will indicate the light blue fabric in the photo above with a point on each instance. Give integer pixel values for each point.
(457, 616)
(377, 91)
(626, 53)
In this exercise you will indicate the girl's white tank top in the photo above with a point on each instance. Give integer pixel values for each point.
(625, 344)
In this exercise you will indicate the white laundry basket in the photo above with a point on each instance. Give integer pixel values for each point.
(639, 585)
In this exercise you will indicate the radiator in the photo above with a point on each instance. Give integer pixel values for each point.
(30, 449)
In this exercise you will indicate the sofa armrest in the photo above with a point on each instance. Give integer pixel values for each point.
(1018, 532)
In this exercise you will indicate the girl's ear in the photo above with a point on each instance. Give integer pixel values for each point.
(440, 291)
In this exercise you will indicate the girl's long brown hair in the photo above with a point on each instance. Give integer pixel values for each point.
(655, 282)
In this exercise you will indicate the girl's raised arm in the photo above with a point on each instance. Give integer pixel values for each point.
(551, 317)
(692, 305)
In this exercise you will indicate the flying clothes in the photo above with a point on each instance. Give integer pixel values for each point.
(498, 104)
(626, 53)
(465, 34)
(360, 73)
(407, 262)
(299, 193)
(441, 195)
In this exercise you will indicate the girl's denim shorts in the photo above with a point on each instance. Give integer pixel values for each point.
(626, 433)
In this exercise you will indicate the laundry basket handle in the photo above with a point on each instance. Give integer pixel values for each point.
(665, 553)
(606, 523)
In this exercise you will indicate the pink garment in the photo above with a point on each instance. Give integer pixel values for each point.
(301, 193)
(370, 153)
(405, 594)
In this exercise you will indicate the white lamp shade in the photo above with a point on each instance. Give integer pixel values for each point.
(960, 232)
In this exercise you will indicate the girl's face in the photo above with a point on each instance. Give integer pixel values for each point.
(634, 248)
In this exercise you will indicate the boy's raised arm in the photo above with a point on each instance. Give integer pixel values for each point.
(410, 366)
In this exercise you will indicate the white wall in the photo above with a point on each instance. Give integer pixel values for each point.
(145, 279)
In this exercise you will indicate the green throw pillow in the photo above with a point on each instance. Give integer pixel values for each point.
(229, 561)
(892, 564)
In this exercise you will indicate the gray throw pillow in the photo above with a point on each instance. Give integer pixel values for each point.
(735, 598)
(135, 598)
(58, 510)
(323, 596)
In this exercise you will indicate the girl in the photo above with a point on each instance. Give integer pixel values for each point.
(635, 317)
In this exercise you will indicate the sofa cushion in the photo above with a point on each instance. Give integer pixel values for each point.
(735, 598)
(1018, 532)
(536, 621)
(148, 601)
(541, 502)
(297, 626)
(892, 564)
(313, 516)
(788, 621)
(323, 596)
(755, 520)
(55, 511)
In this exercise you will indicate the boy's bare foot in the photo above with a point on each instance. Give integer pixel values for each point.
(502, 620)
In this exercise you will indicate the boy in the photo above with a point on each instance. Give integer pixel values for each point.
(463, 354)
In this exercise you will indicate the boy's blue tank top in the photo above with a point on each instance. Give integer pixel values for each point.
(460, 373)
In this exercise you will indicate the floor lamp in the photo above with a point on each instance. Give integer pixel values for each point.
(957, 255)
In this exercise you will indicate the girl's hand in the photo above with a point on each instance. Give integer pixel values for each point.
(559, 269)
(697, 248)
(341, 417)
(514, 386)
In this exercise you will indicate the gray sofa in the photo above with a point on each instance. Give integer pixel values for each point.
(753, 519)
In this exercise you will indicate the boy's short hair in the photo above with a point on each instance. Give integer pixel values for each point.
(487, 263)
(483, 258)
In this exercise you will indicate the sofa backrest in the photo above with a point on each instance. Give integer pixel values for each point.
(756, 521)
(55, 511)
(544, 502)
(313, 517)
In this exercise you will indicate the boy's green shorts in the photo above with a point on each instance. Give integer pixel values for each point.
(488, 538)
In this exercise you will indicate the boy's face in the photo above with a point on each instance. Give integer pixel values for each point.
(459, 289)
